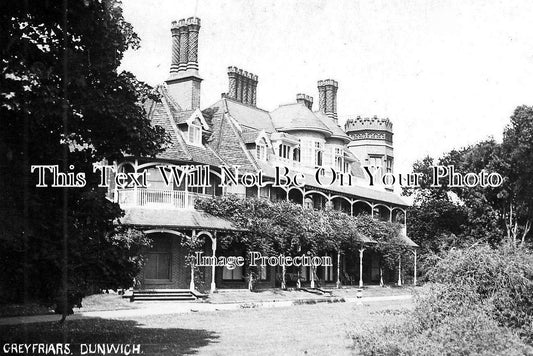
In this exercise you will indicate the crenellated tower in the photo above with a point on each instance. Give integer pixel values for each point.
(372, 142)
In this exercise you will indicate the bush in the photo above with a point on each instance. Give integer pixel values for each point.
(503, 277)
(443, 325)
(479, 302)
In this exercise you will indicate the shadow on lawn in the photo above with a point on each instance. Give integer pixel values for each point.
(153, 341)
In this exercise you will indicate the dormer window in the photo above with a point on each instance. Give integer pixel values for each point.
(261, 149)
(261, 152)
(195, 132)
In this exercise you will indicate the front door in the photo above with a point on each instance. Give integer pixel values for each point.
(157, 269)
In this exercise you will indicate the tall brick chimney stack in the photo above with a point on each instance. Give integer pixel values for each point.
(184, 81)
(242, 86)
(193, 25)
(306, 100)
(327, 97)
(174, 65)
(184, 45)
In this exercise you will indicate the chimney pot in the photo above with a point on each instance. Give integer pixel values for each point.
(242, 85)
(175, 59)
(327, 91)
(184, 45)
(184, 82)
(306, 100)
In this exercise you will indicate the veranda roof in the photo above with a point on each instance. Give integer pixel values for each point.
(404, 240)
(178, 219)
(366, 239)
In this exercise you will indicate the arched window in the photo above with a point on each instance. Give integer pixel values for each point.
(318, 158)
(318, 153)
(296, 154)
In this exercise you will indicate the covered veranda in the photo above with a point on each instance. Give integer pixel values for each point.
(170, 262)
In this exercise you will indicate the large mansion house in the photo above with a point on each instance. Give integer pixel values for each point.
(303, 136)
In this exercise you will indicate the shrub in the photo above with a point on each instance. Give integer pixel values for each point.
(479, 302)
(442, 325)
(502, 277)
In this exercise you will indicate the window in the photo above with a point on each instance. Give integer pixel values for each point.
(375, 164)
(307, 152)
(284, 151)
(296, 155)
(263, 273)
(388, 162)
(195, 132)
(339, 160)
(232, 274)
(197, 190)
(318, 154)
(236, 273)
(318, 158)
(260, 152)
(308, 203)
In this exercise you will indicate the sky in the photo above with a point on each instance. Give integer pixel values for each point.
(446, 73)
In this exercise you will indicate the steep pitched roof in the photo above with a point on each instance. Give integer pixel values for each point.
(228, 142)
(250, 136)
(297, 116)
(164, 113)
(175, 149)
(246, 116)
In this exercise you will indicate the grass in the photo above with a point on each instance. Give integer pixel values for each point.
(113, 301)
(305, 329)
(268, 295)
(97, 302)
(7, 310)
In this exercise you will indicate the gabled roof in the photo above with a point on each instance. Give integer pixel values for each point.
(292, 117)
(164, 113)
(250, 136)
(246, 116)
(175, 149)
(228, 142)
(337, 132)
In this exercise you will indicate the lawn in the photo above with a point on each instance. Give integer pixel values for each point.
(321, 329)
(265, 295)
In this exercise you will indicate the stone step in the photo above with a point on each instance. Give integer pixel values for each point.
(163, 294)
(166, 297)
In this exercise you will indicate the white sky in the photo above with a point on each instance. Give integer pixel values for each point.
(447, 73)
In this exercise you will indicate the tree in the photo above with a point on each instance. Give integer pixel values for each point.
(63, 103)
(271, 228)
(289, 229)
(516, 161)
(446, 216)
